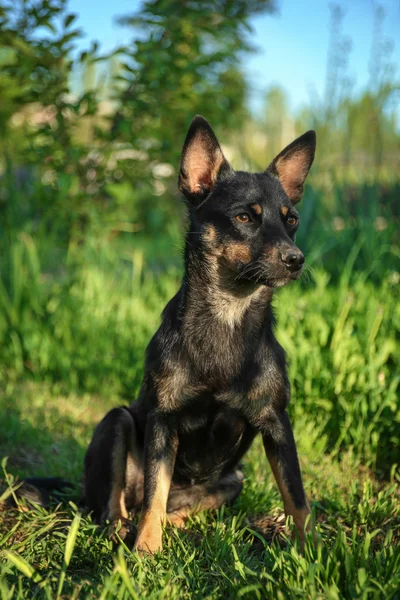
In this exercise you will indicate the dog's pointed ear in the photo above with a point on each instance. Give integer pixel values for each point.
(292, 165)
(202, 163)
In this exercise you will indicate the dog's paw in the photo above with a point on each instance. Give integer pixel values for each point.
(122, 530)
(149, 541)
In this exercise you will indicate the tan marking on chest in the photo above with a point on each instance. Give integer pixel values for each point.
(258, 390)
(257, 409)
(173, 388)
(230, 309)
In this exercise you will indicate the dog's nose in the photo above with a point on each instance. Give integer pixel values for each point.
(293, 259)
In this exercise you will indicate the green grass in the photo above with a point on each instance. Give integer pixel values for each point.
(223, 554)
(342, 349)
(87, 329)
(74, 324)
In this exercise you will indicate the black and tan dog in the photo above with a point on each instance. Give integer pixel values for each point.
(214, 374)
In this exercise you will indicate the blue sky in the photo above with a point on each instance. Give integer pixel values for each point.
(292, 43)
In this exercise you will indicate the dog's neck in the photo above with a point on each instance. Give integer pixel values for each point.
(214, 293)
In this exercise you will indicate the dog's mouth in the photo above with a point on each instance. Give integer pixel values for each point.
(270, 278)
(276, 282)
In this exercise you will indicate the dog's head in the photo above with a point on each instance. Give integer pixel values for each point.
(246, 221)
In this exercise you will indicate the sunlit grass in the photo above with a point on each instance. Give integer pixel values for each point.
(222, 555)
(73, 338)
(89, 333)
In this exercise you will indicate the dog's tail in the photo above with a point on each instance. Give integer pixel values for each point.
(42, 491)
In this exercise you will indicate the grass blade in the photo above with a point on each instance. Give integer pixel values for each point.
(69, 548)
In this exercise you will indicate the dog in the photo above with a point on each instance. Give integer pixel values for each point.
(214, 373)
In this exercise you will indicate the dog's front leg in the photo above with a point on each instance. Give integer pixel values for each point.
(281, 451)
(161, 444)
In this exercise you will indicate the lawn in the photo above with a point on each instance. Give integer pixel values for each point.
(76, 350)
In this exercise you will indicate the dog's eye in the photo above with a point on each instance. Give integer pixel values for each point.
(291, 220)
(243, 218)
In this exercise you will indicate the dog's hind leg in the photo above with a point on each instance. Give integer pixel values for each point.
(185, 501)
(113, 471)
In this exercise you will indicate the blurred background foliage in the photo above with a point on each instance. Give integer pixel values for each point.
(91, 222)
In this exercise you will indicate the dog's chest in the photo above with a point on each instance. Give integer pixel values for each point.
(252, 401)
(212, 438)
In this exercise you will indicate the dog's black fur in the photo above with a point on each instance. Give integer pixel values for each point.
(214, 374)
